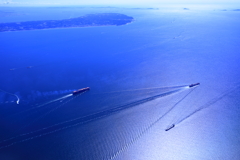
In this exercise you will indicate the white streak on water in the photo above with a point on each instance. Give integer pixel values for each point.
(148, 128)
(208, 104)
(80, 120)
(13, 95)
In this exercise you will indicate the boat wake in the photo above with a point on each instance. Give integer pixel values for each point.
(33, 97)
(79, 120)
(52, 109)
(172, 125)
(18, 99)
(208, 104)
(44, 104)
(149, 127)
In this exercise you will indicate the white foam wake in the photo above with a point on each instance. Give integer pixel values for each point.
(18, 99)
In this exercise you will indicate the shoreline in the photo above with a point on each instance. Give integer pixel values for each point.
(90, 20)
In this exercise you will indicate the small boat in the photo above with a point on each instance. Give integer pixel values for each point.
(170, 127)
(193, 85)
(80, 90)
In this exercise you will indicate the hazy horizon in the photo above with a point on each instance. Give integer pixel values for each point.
(108, 2)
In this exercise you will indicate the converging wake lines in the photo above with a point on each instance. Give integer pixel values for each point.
(148, 128)
(172, 124)
(36, 119)
(55, 108)
(208, 104)
(44, 104)
(80, 120)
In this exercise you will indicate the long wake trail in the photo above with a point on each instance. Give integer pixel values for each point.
(172, 123)
(208, 104)
(50, 111)
(148, 128)
(142, 89)
(80, 120)
(44, 104)
(38, 118)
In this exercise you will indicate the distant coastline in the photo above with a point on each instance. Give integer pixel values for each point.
(100, 19)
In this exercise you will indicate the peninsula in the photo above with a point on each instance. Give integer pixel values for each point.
(89, 20)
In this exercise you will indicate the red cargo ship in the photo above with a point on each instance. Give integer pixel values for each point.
(80, 90)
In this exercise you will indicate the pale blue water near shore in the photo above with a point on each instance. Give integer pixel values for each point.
(138, 74)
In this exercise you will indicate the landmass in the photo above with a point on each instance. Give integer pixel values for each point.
(100, 19)
(236, 10)
(230, 10)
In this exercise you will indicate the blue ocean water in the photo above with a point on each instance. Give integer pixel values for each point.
(138, 74)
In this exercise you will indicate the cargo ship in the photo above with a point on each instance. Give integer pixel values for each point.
(193, 85)
(80, 90)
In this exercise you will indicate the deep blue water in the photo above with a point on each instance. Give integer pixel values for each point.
(137, 74)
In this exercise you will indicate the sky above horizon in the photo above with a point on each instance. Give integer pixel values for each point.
(106, 2)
